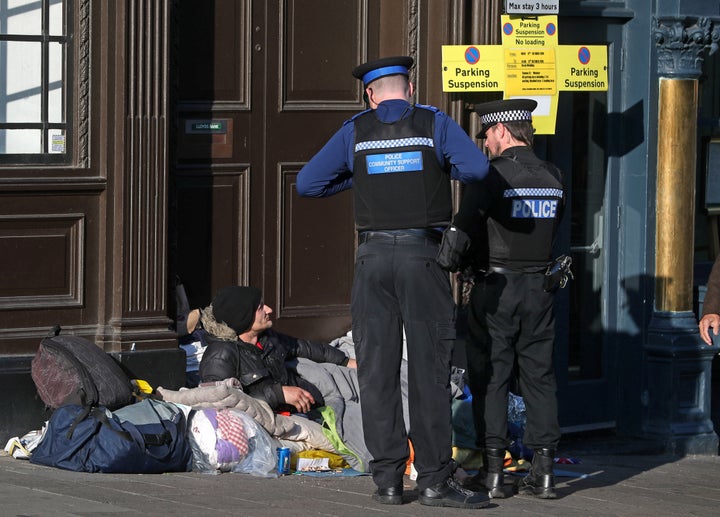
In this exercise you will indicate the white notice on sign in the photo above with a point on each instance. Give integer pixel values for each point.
(532, 7)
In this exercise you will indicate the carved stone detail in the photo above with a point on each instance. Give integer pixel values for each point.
(681, 44)
(413, 34)
(145, 174)
(84, 84)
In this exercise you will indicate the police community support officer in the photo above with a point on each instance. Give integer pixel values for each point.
(512, 219)
(396, 156)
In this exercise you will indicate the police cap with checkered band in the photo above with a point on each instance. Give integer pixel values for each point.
(509, 110)
(372, 70)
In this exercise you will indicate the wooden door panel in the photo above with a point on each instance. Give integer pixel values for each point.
(212, 155)
(280, 73)
(49, 266)
(212, 239)
(318, 54)
(325, 275)
(316, 51)
(213, 51)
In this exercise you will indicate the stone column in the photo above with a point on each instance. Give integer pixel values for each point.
(138, 325)
(676, 396)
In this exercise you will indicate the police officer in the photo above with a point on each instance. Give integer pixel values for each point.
(511, 219)
(399, 157)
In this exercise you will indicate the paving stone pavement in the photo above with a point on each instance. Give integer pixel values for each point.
(612, 479)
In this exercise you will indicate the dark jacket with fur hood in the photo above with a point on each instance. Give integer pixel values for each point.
(261, 371)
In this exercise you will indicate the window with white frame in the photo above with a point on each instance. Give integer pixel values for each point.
(35, 118)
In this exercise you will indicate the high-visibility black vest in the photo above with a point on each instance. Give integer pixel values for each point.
(523, 220)
(397, 180)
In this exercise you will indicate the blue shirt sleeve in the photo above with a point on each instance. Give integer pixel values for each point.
(467, 161)
(330, 170)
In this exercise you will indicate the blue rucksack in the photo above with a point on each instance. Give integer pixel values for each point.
(146, 437)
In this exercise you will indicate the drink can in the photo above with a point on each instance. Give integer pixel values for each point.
(283, 461)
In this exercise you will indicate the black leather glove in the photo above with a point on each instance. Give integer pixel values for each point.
(453, 248)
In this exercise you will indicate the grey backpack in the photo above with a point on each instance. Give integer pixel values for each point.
(74, 370)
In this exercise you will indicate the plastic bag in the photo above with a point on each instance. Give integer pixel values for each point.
(22, 447)
(516, 427)
(261, 459)
(329, 428)
(229, 440)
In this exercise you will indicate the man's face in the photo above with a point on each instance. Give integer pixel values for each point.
(492, 140)
(262, 318)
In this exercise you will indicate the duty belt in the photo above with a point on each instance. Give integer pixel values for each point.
(417, 233)
(506, 271)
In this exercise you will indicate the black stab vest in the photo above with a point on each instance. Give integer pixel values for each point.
(523, 222)
(397, 180)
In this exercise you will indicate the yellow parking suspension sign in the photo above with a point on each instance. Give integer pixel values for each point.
(473, 68)
(529, 64)
(529, 71)
(582, 67)
(529, 31)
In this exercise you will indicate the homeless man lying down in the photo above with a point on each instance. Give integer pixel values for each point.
(241, 344)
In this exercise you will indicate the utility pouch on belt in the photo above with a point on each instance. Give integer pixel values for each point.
(453, 248)
(558, 273)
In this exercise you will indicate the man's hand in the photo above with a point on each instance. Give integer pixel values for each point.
(298, 397)
(352, 363)
(707, 321)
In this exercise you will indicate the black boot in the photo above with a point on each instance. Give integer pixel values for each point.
(495, 480)
(490, 477)
(540, 481)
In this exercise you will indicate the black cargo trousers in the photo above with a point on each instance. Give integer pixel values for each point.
(511, 320)
(398, 284)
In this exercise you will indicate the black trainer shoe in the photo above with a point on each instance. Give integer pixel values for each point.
(449, 493)
(392, 495)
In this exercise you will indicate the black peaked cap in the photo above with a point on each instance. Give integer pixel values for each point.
(508, 110)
